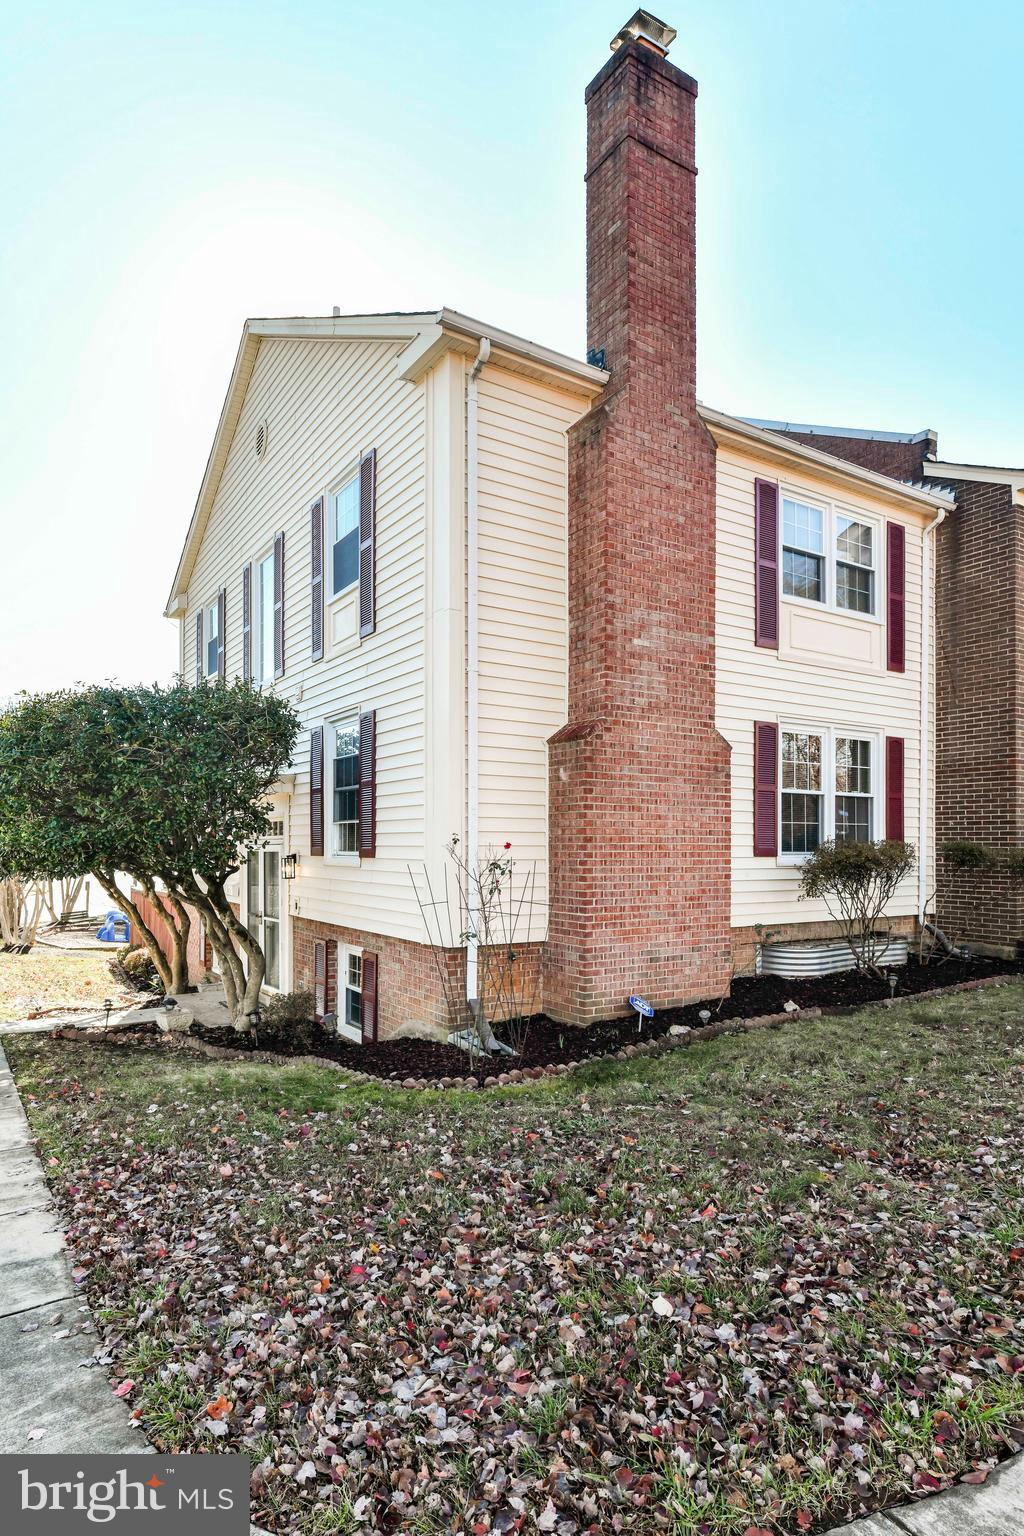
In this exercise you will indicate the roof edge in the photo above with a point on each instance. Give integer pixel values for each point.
(884, 485)
(866, 434)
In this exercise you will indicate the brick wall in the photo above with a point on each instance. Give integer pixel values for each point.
(746, 940)
(639, 778)
(410, 986)
(901, 461)
(980, 707)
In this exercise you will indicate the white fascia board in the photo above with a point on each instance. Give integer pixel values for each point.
(739, 431)
(985, 473)
(528, 356)
(342, 327)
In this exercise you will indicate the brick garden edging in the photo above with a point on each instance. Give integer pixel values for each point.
(660, 1047)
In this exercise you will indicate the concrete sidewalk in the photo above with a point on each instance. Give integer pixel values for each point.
(994, 1508)
(51, 1401)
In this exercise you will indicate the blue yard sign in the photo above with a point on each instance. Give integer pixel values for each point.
(643, 1010)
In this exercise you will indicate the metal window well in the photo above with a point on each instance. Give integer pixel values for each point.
(820, 957)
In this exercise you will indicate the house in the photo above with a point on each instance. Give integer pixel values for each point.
(523, 598)
(979, 696)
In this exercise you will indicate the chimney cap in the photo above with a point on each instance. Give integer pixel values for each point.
(645, 28)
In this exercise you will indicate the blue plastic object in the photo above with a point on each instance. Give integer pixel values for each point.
(116, 929)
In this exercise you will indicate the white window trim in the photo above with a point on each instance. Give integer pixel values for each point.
(337, 485)
(211, 611)
(341, 982)
(828, 734)
(831, 510)
(349, 718)
(256, 618)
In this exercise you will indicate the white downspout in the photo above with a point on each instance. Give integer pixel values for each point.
(927, 625)
(473, 650)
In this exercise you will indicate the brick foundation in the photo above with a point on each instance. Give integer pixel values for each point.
(746, 940)
(639, 777)
(410, 988)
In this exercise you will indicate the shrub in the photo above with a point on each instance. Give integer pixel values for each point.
(856, 881)
(135, 966)
(287, 1019)
(965, 855)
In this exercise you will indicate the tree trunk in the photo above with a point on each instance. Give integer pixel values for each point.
(256, 969)
(224, 928)
(124, 902)
(182, 933)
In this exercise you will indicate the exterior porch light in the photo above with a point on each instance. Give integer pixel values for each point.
(289, 864)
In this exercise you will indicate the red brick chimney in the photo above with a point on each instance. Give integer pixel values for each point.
(639, 789)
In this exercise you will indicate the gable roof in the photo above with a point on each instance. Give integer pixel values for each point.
(427, 334)
(742, 430)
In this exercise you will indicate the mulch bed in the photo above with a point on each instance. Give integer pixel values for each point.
(550, 1045)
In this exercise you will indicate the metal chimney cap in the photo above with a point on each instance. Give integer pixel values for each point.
(647, 29)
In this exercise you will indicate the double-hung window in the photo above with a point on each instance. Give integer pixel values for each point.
(828, 789)
(350, 1001)
(345, 789)
(829, 556)
(265, 619)
(855, 565)
(803, 550)
(212, 622)
(344, 536)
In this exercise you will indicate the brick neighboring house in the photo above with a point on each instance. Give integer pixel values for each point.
(979, 715)
(522, 597)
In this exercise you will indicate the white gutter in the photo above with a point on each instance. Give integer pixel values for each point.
(927, 625)
(473, 654)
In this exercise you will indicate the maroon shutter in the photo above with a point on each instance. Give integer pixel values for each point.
(331, 982)
(896, 606)
(316, 791)
(316, 587)
(766, 789)
(319, 978)
(222, 641)
(766, 563)
(200, 669)
(367, 536)
(894, 755)
(369, 999)
(279, 605)
(247, 622)
(368, 784)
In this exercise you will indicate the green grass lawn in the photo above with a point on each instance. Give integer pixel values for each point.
(757, 1285)
(51, 978)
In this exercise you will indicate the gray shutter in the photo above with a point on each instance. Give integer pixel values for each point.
(279, 605)
(316, 586)
(247, 622)
(222, 639)
(199, 647)
(367, 539)
(316, 791)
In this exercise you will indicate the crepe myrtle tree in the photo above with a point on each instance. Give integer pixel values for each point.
(168, 784)
(856, 881)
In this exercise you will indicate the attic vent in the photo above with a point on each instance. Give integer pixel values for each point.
(260, 442)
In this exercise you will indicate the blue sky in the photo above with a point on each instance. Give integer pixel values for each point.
(168, 169)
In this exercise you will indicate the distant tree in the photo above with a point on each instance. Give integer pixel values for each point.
(168, 784)
(856, 881)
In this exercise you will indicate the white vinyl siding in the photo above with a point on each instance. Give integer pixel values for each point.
(829, 674)
(326, 402)
(523, 505)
